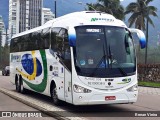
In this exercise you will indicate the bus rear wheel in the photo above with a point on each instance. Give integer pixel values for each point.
(21, 89)
(54, 96)
(17, 86)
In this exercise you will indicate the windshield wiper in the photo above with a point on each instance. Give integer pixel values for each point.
(121, 70)
(110, 56)
(97, 66)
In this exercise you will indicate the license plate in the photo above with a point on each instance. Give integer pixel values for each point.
(110, 98)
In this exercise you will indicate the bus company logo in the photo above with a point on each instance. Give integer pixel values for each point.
(102, 19)
(124, 81)
(31, 65)
(15, 58)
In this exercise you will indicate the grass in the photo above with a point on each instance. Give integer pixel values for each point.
(149, 84)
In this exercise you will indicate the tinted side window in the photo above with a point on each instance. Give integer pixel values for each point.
(13, 46)
(22, 44)
(66, 53)
(19, 43)
(54, 34)
(32, 41)
(60, 44)
(29, 41)
(25, 43)
(45, 38)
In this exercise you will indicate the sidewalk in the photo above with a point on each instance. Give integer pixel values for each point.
(9, 104)
(149, 90)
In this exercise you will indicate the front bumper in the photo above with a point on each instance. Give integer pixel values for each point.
(97, 99)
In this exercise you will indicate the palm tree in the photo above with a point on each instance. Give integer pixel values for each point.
(141, 12)
(109, 6)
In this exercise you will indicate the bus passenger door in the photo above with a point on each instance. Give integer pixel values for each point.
(60, 44)
(67, 74)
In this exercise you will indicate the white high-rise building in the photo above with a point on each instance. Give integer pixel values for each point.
(2, 31)
(24, 15)
(28, 14)
(2, 26)
(12, 17)
(47, 15)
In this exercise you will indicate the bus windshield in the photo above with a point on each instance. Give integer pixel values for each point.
(104, 51)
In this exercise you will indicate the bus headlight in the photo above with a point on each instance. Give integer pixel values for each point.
(79, 89)
(133, 88)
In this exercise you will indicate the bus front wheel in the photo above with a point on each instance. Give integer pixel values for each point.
(54, 96)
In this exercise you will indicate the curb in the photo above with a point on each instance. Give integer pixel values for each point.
(41, 106)
(148, 86)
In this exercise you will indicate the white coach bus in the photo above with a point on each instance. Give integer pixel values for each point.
(83, 58)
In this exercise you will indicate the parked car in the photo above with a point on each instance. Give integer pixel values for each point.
(6, 71)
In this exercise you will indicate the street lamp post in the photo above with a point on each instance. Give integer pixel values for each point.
(55, 8)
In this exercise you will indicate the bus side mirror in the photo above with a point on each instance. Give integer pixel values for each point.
(141, 36)
(72, 36)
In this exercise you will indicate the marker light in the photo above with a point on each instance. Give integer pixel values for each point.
(79, 89)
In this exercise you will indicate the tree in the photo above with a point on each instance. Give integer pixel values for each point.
(4, 51)
(109, 6)
(141, 12)
(0, 46)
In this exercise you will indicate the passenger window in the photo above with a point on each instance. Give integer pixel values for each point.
(45, 38)
(60, 45)
(54, 33)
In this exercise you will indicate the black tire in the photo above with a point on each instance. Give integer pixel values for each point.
(54, 96)
(21, 87)
(17, 85)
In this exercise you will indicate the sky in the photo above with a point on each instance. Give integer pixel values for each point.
(67, 6)
(63, 7)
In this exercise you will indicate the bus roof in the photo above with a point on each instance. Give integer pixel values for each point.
(86, 18)
(79, 19)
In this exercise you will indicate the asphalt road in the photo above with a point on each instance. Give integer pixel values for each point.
(148, 100)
